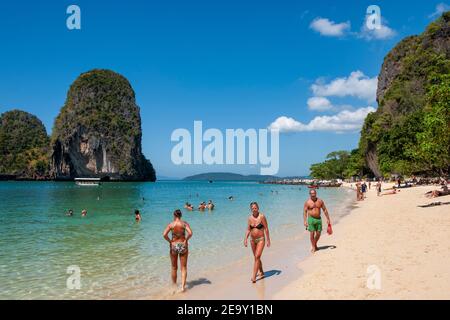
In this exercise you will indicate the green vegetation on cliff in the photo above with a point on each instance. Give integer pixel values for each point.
(410, 131)
(98, 131)
(413, 106)
(95, 100)
(23, 146)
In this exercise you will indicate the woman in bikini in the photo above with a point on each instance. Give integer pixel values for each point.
(178, 246)
(258, 229)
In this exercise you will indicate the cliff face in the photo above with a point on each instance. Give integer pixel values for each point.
(406, 75)
(23, 146)
(98, 131)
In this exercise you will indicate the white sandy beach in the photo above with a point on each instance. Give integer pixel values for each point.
(409, 245)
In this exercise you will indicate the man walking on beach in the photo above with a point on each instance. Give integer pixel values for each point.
(312, 219)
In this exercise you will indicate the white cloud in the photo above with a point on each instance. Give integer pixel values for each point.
(319, 104)
(329, 28)
(343, 121)
(440, 9)
(356, 85)
(381, 33)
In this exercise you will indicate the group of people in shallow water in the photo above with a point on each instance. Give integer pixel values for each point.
(201, 207)
(137, 214)
(257, 230)
(69, 213)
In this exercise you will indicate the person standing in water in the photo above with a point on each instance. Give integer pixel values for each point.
(258, 229)
(312, 219)
(137, 215)
(178, 246)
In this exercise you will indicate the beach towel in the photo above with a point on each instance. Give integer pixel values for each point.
(329, 229)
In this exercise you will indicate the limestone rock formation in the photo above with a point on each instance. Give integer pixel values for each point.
(23, 146)
(408, 71)
(98, 131)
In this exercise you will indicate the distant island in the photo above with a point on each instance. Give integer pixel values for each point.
(166, 178)
(228, 176)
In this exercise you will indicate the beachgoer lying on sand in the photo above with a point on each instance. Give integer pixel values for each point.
(178, 246)
(258, 229)
(395, 191)
(312, 219)
(438, 193)
(188, 206)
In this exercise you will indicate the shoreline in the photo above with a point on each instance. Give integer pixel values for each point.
(402, 252)
(280, 262)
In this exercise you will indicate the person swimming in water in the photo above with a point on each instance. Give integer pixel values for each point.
(210, 205)
(258, 229)
(188, 206)
(178, 246)
(137, 215)
(84, 213)
(69, 213)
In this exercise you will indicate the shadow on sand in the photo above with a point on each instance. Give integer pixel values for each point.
(200, 281)
(433, 204)
(326, 247)
(269, 274)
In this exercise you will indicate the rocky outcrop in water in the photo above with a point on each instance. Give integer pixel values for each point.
(23, 146)
(98, 131)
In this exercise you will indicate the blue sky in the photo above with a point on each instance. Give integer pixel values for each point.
(231, 64)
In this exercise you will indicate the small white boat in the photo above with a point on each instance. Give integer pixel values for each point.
(87, 182)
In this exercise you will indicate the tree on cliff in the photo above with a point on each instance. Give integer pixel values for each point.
(432, 151)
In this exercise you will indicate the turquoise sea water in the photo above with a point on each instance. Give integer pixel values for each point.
(117, 257)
